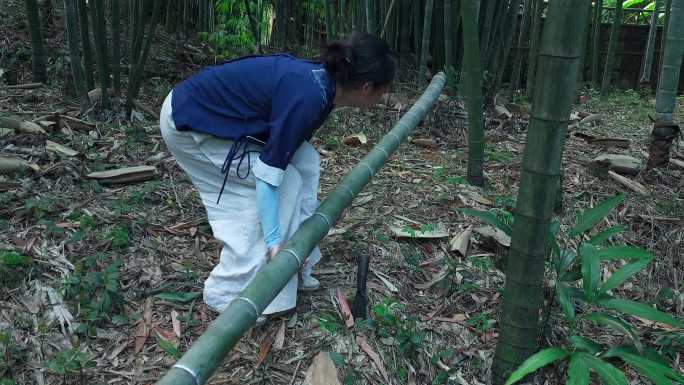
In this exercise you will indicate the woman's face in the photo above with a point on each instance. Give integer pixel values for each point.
(368, 95)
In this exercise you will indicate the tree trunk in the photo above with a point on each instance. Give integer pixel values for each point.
(471, 75)
(556, 85)
(329, 22)
(612, 48)
(370, 25)
(417, 27)
(596, 46)
(448, 38)
(583, 57)
(666, 26)
(425, 49)
(71, 20)
(511, 19)
(665, 130)
(38, 60)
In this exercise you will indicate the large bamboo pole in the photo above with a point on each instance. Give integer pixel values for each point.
(425, 48)
(556, 83)
(612, 48)
(647, 65)
(207, 353)
(71, 20)
(38, 59)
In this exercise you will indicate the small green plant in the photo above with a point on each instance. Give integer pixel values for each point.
(39, 207)
(442, 376)
(10, 354)
(119, 236)
(69, 362)
(95, 284)
(599, 306)
(13, 268)
(392, 321)
(328, 323)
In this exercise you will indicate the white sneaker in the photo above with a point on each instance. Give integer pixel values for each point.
(309, 283)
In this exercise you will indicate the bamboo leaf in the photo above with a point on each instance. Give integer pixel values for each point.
(488, 218)
(617, 324)
(654, 370)
(578, 372)
(623, 274)
(592, 216)
(603, 236)
(640, 310)
(565, 301)
(622, 252)
(609, 373)
(179, 296)
(536, 361)
(582, 343)
(590, 270)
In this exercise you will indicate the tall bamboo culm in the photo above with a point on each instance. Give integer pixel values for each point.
(71, 20)
(85, 41)
(556, 86)
(522, 45)
(100, 37)
(647, 63)
(206, 354)
(665, 130)
(471, 75)
(612, 48)
(596, 41)
(116, 44)
(425, 47)
(666, 26)
(38, 60)
(534, 46)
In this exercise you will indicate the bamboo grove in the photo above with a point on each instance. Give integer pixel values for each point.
(525, 48)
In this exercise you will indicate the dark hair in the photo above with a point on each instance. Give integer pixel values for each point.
(360, 58)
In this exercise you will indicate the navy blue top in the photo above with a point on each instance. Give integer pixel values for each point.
(278, 99)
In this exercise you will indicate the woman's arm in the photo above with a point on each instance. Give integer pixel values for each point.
(267, 207)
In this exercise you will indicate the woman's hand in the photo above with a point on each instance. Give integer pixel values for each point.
(272, 251)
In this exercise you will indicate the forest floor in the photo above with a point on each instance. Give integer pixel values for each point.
(102, 284)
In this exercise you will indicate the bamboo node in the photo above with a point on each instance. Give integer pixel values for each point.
(188, 371)
(325, 218)
(291, 252)
(251, 303)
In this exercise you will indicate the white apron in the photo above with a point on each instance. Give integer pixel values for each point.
(234, 220)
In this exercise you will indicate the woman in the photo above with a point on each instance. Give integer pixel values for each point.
(240, 130)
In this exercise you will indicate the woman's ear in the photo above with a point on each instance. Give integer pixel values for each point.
(367, 88)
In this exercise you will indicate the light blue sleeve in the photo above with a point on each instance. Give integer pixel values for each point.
(267, 206)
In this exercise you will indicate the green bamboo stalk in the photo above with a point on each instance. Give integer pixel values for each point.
(99, 35)
(585, 37)
(471, 73)
(425, 49)
(665, 130)
(387, 18)
(596, 45)
(500, 24)
(370, 25)
(71, 20)
(505, 54)
(206, 354)
(329, 21)
(522, 44)
(534, 46)
(404, 28)
(612, 48)
(116, 45)
(417, 27)
(280, 23)
(668, 83)
(135, 78)
(647, 65)
(448, 38)
(492, 6)
(556, 82)
(666, 27)
(38, 60)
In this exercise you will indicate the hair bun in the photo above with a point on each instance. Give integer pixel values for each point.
(338, 61)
